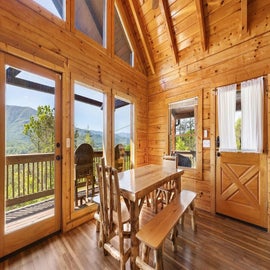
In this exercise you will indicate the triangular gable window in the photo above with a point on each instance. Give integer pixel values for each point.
(56, 7)
(122, 47)
(90, 18)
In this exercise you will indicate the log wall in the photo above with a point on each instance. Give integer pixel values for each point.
(33, 34)
(230, 57)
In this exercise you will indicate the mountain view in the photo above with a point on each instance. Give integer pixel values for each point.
(18, 143)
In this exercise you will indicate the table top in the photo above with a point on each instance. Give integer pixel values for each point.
(137, 183)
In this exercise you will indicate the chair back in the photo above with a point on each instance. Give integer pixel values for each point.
(113, 214)
(119, 157)
(110, 205)
(170, 161)
(84, 157)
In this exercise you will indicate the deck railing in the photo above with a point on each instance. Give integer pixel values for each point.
(31, 176)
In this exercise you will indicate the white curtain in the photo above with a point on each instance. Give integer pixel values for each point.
(226, 117)
(252, 105)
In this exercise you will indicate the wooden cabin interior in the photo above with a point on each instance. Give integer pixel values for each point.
(165, 60)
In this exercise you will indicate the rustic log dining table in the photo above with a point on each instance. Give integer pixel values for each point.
(135, 185)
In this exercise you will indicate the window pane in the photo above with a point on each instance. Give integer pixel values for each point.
(88, 117)
(122, 47)
(90, 19)
(30, 147)
(88, 137)
(238, 120)
(56, 7)
(183, 131)
(122, 134)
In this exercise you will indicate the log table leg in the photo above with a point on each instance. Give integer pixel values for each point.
(134, 220)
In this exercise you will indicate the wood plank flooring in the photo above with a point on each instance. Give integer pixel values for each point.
(219, 243)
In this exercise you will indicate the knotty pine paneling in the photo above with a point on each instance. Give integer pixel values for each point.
(29, 35)
(229, 58)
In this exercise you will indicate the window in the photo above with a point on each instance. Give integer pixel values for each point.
(90, 18)
(183, 131)
(88, 142)
(122, 47)
(56, 7)
(240, 116)
(123, 134)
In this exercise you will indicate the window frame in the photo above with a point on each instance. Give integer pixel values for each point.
(117, 9)
(189, 171)
(81, 80)
(64, 23)
(81, 35)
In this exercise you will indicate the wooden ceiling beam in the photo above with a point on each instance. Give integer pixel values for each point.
(140, 27)
(200, 16)
(165, 12)
(244, 19)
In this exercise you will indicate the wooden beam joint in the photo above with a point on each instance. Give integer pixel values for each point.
(200, 16)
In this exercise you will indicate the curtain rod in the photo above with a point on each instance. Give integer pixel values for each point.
(238, 85)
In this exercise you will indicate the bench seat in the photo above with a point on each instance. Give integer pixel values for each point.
(153, 234)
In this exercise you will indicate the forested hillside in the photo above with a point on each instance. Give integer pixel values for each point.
(18, 143)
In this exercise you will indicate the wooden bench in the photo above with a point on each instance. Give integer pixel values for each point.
(153, 234)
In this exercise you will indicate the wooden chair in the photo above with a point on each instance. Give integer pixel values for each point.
(167, 192)
(96, 200)
(84, 174)
(119, 157)
(114, 216)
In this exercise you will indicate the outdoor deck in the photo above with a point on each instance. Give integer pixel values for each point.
(29, 178)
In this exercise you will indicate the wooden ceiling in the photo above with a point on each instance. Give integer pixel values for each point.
(167, 30)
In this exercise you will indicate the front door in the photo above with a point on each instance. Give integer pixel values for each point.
(31, 159)
(241, 174)
(241, 187)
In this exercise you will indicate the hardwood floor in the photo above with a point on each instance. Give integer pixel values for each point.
(219, 243)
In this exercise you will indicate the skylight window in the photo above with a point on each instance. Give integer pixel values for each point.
(56, 7)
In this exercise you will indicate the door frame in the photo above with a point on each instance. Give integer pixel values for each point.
(214, 149)
(15, 240)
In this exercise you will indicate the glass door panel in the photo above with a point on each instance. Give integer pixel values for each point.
(32, 153)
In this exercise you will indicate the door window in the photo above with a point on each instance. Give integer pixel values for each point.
(30, 143)
(30, 159)
(240, 116)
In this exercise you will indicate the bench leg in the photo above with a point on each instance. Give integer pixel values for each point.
(181, 222)
(192, 214)
(173, 238)
(145, 253)
(158, 260)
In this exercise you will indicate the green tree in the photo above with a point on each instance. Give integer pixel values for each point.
(76, 137)
(40, 129)
(180, 144)
(88, 138)
(237, 128)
